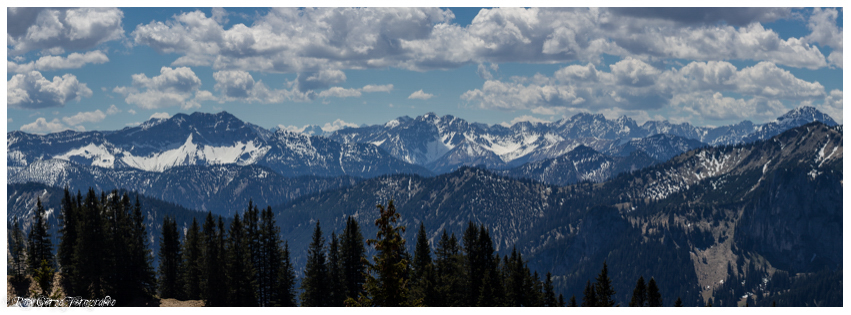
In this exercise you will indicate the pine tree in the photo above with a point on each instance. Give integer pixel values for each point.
(549, 294)
(605, 292)
(385, 282)
(39, 246)
(192, 262)
(257, 251)
(679, 302)
(336, 290)
(639, 294)
(589, 297)
(423, 285)
(17, 258)
(561, 300)
(142, 277)
(213, 283)
(239, 266)
(472, 263)
(352, 256)
(654, 298)
(286, 280)
(68, 239)
(169, 254)
(88, 260)
(422, 254)
(573, 301)
(314, 286)
(272, 261)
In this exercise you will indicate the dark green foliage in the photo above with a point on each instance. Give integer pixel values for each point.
(240, 269)
(639, 294)
(336, 290)
(678, 303)
(214, 281)
(589, 296)
(141, 277)
(549, 295)
(67, 240)
(88, 257)
(275, 261)
(352, 255)
(314, 286)
(654, 298)
(192, 262)
(449, 271)
(286, 295)
(39, 246)
(17, 259)
(43, 276)
(605, 292)
(170, 285)
(423, 282)
(573, 301)
(386, 284)
(561, 300)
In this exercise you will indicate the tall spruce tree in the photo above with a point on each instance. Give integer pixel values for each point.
(352, 256)
(385, 282)
(589, 296)
(424, 282)
(472, 264)
(679, 303)
(549, 293)
(39, 246)
(286, 280)
(68, 239)
(88, 260)
(142, 275)
(239, 267)
(604, 290)
(17, 258)
(639, 294)
(572, 301)
(251, 223)
(192, 262)
(337, 289)
(170, 264)
(272, 261)
(314, 286)
(654, 298)
(213, 283)
(561, 302)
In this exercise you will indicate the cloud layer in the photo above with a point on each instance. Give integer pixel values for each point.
(173, 87)
(31, 90)
(61, 29)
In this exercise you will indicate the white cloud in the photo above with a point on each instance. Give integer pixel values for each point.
(420, 95)
(833, 105)
(234, 84)
(131, 111)
(84, 117)
(42, 126)
(528, 118)
(49, 63)
(162, 115)
(826, 32)
(173, 87)
(112, 110)
(340, 92)
(337, 125)
(61, 29)
(319, 42)
(377, 88)
(31, 90)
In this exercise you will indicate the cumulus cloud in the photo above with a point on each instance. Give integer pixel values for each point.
(49, 63)
(31, 90)
(340, 92)
(337, 125)
(84, 117)
(634, 86)
(112, 110)
(833, 105)
(61, 29)
(826, 32)
(377, 88)
(420, 95)
(42, 126)
(309, 41)
(162, 115)
(523, 118)
(173, 87)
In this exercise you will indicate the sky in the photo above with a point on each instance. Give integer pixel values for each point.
(110, 68)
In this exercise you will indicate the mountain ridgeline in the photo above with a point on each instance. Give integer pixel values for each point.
(726, 215)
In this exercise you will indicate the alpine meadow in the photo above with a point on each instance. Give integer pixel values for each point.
(443, 157)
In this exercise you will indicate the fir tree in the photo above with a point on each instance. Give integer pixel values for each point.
(679, 302)
(286, 280)
(352, 256)
(336, 290)
(573, 301)
(314, 286)
(654, 298)
(214, 278)
(639, 294)
(68, 239)
(88, 260)
(472, 263)
(561, 300)
(239, 266)
(16, 261)
(589, 297)
(549, 294)
(423, 288)
(385, 282)
(605, 292)
(272, 261)
(192, 262)
(142, 275)
(169, 254)
(39, 246)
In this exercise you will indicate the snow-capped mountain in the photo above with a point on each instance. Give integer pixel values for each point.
(431, 141)
(204, 139)
(580, 165)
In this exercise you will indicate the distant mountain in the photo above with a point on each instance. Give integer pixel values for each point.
(445, 143)
(771, 206)
(581, 164)
(204, 139)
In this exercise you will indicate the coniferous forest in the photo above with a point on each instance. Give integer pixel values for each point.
(242, 261)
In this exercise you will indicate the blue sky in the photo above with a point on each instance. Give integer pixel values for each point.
(108, 68)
